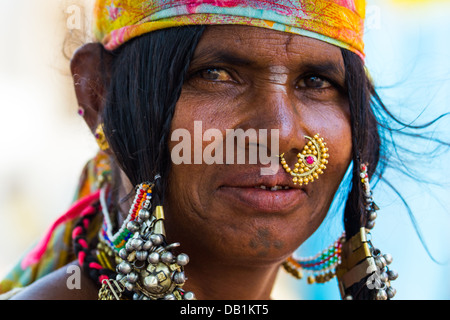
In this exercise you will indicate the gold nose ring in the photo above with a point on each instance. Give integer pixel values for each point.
(311, 161)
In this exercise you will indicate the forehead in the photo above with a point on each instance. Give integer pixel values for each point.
(266, 47)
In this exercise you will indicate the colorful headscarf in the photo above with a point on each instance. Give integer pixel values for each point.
(339, 22)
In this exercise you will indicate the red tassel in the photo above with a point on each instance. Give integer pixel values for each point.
(75, 211)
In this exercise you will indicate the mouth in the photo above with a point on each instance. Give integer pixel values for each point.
(275, 194)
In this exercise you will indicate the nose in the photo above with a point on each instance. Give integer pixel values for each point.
(273, 106)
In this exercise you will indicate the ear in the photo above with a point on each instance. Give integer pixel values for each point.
(89, 67)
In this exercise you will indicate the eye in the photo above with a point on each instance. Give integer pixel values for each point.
(215, 74)
(314, 82)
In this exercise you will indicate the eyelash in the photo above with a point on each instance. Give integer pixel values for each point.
(332, 83)
(200, 71)
(305, 86)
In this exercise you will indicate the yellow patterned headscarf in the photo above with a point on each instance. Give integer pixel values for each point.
(339, 22)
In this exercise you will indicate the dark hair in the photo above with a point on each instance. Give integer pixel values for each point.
(366, 140)
(147, 75)
(366, 148)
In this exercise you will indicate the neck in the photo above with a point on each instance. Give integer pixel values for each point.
(212, 278)
(218, 281)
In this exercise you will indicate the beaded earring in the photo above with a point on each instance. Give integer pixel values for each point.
(312, 161)
(321, 267)
(146, 265)
(351, 260)
(361, 260)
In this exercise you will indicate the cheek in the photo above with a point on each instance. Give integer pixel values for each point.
(190, 177)
(332, 122)
(339, 141)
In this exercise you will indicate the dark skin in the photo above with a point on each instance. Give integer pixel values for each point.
(240, 77)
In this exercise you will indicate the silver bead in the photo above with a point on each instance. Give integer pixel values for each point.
(136, 244)
(370, 224)
(384, 277)
(170, 297)
(392, 275)
(388, 258)
(119, 277)
(179, 277)
(391, 292)
(124, 267)
(189, 296)
(150, 282)
(167, 257)
(148, 245)
(123, 253)
(133, 226)
(157, 239)
(144, 214)
(182, 259)
(348, 297)
(372, 215)
(381, 295)
(153, 258)
(380, 262)
(136, 296)
(132, 277)
(129, 286)
(141, 255)
(128, 246)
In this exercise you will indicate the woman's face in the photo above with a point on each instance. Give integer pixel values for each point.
(254, 78)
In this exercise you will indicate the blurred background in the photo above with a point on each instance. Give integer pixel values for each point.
(44, 144)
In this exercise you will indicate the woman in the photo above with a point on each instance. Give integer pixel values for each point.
(292, 66)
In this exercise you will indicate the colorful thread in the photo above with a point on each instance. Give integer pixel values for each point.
(118, 240)
(322, 266)
(84, 255)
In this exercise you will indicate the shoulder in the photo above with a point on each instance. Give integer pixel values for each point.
(66, 283)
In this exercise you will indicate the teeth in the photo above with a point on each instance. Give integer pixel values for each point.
(275, 188)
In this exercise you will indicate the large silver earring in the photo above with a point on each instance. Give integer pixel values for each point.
(351, 260)
(361, 260)
(147, 265)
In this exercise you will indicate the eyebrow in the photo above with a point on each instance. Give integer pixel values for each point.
(327, 68)
(212, 57)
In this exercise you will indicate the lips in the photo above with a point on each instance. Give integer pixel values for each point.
(274, 194)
